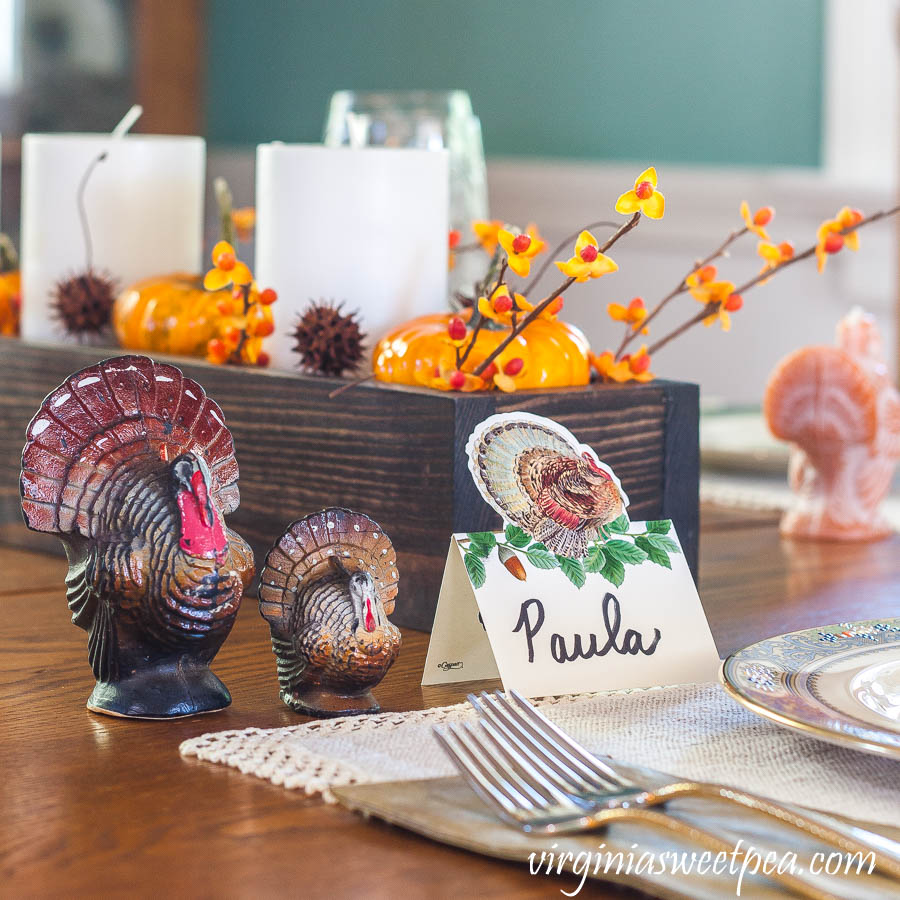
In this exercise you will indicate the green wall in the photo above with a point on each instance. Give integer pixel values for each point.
(691, 81)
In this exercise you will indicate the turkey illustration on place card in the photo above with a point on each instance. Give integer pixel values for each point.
(571, 596)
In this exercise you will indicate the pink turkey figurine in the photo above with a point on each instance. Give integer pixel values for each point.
(130, 464)
(839, 410)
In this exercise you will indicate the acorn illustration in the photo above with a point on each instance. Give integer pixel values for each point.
(512, 563)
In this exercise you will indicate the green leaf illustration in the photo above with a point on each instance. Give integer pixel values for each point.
(660, 526)
(613, 571)
(483, 542)
(517, 537)
(595, 560)
(663, 542)
(573, 569)
(625, 552)
(540, 557)
(475, 568)
(619, 526)
(654, 553)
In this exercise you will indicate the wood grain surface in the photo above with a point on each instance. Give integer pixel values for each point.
(93, 806)
(394, 453)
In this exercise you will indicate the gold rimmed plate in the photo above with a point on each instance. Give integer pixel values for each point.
(839, 683)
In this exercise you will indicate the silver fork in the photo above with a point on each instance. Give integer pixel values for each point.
(521, 796)
(516, 726)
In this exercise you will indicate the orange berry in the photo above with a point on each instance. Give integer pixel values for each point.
(454, 238)
(457, 380)
(224, 307)
(225, 261)
(490, 371)
(264, 328)
(855, 216)
(639, 363)
(734, 302)
(503, 303)
(786, 249)
(636, 304)
(263, 359)
(834, 242)
(555, 306)
(763, 215)
(267, 297)
(456, 328)
(514, 366)
(589, 253)
(707, 273)
(521, 242)
(232, 334)
(644, 190)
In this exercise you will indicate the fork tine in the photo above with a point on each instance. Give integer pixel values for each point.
(532, 780)
(555, 765)
(471, 772)
(556, 735)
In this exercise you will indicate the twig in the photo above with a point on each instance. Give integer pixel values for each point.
(479, 320)
(559, 249)
(711, 308)
(350, 384)
(681, 287)
(622, 231)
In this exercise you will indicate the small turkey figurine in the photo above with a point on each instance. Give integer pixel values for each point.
(534, 473)
(841, 413)
(326, 590)
(130, 464)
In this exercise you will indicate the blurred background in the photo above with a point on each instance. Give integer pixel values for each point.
(793, 105)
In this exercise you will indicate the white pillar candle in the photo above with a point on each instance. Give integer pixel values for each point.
(144, 206)
(363, 226)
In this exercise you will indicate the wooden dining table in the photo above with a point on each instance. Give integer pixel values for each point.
(98, 806)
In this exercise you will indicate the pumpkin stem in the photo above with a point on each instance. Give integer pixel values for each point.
(225, 202)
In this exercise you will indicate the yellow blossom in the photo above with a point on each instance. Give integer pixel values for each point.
(521, 248)
(633, 367)
(829, 238)
(756, 222)
(644, 197)
(487, 232)
(228, 269)
(774, 255)
(588, 262)
(633, 314)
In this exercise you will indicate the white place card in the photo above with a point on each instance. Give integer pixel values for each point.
(627, 615)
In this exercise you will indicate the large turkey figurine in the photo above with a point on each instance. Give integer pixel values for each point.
(130, 464)
(534, 473)
(326, 590)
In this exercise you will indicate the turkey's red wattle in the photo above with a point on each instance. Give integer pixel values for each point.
(370, 619)
(201, 533)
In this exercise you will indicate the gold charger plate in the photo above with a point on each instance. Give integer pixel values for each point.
(839, 683)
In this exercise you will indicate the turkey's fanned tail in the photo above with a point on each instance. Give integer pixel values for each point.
(311, 549)
(117, 412)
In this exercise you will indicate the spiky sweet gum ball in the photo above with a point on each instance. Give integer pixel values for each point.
(329, 341)
(83, 303)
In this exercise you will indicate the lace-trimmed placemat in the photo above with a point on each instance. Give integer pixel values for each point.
(694, 731)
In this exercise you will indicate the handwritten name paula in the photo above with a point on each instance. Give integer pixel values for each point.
(578, 646)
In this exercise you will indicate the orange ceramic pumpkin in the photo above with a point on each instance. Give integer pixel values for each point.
(555, 353)
(168, 314)
(10, 297)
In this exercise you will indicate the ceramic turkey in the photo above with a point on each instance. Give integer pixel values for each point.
(326, 590)
(534, 473)
(841, 412)
(130, 464)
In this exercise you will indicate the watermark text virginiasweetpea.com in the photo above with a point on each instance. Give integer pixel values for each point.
(742, 860)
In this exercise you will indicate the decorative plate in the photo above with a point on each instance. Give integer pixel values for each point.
(840, 683)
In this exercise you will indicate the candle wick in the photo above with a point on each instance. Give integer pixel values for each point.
(82, 212)
(127, 121)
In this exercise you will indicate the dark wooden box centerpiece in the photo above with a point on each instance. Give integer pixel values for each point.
(395, 453)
